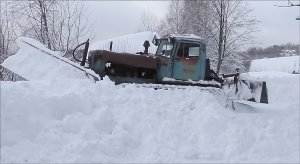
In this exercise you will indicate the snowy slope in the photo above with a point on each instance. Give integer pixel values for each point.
(131, 43)
(281, 64)
(79, 121)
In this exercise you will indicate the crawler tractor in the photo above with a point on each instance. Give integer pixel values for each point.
(179, 60)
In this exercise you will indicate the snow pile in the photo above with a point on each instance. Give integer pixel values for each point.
(37, 64)
(131, 43)
(71, 121)
(282, 64)
(34, 64)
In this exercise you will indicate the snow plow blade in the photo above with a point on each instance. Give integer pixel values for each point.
(244, 89)
(51, 64)
(245, 95)
(259, 87)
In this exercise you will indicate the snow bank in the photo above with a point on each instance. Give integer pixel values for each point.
(69, 121)
(33, 64)
(131, 43)
(282, 64)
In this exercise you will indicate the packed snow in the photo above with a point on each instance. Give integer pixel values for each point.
(65, 118)
(288, 64)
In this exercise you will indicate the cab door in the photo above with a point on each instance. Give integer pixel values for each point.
(189, 61)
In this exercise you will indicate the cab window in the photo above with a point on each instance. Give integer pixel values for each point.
(187, 50)
(165, 48)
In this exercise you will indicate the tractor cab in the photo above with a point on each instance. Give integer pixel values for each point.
(186, 57)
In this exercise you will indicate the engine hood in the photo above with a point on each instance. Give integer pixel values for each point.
(134, 60)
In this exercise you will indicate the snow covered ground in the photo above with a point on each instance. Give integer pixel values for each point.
(80, 121)
(69, 119)
(281, 64)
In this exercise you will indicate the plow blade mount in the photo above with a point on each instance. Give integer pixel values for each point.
(246, 95)
(249, 90)
(258, 90)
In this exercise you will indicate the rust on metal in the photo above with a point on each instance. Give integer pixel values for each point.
(190, 60)
(134, 60)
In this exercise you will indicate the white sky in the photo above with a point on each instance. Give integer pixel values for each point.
(115, 18)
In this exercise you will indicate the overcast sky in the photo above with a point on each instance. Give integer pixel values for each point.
(115, 18)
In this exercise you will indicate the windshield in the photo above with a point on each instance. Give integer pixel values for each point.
(165, 48)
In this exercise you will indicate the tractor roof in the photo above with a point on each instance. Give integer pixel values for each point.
(187, 37)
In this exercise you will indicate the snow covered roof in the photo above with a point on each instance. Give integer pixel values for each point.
(191, 37)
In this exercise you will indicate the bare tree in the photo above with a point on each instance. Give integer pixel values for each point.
(230, 29)
(60, 25)
(149, 22)
(7, 38)
(197, 17)
(175, 21)
(7, 30)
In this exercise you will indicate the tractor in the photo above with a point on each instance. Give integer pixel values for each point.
(179, 60)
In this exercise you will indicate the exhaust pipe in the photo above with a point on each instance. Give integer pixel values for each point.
(87, 43)
(82, 62)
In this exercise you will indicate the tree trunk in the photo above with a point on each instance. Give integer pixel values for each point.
(221, 33)
(45, 23)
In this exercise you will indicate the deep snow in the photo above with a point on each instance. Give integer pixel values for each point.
(60, 116)
(80, 121)
(288, 64)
